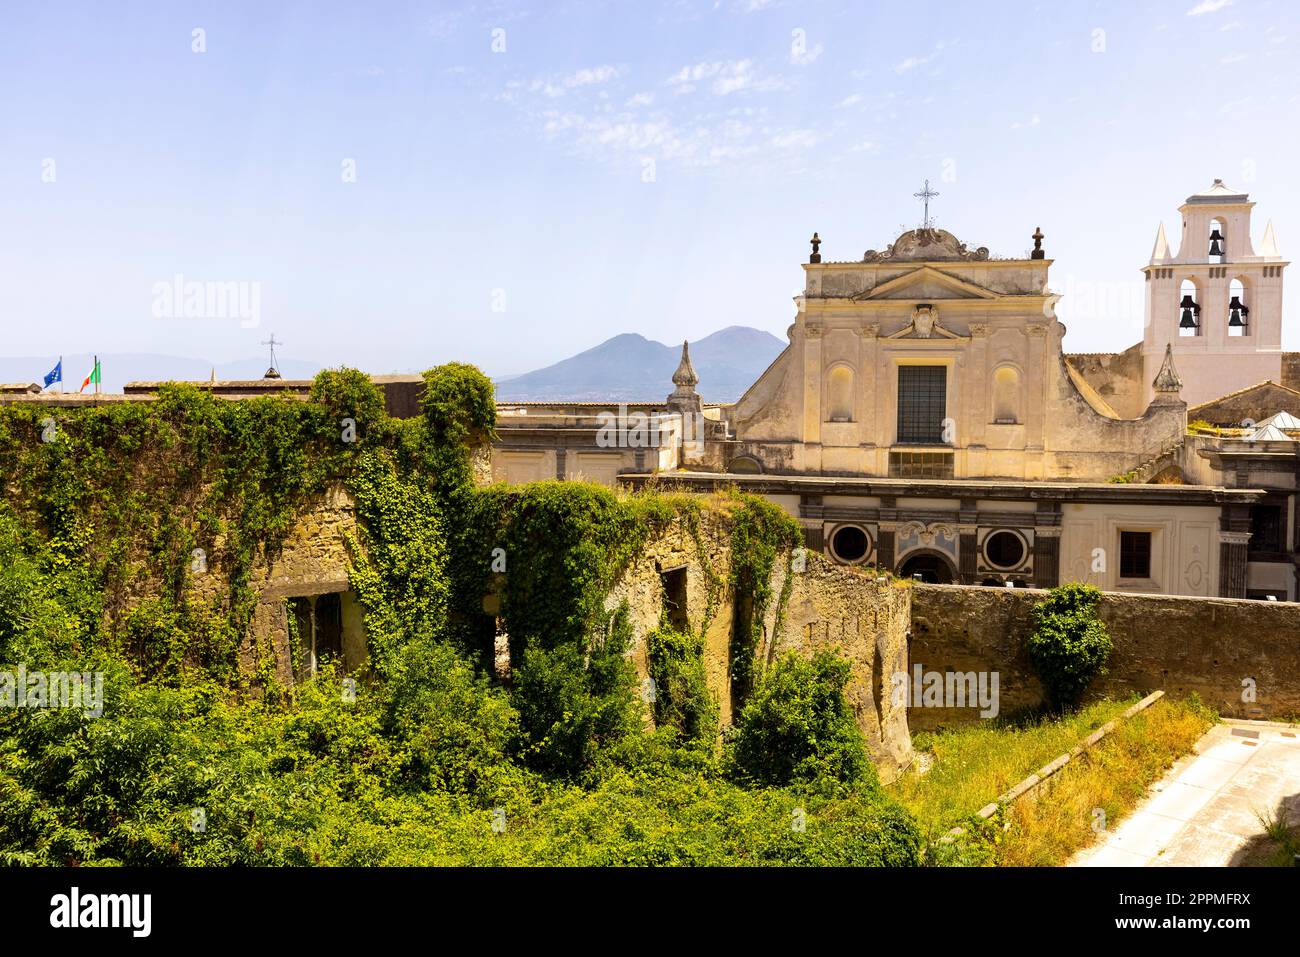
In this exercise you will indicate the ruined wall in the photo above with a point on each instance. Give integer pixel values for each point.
(312, 561)
(1291, 370)
(1178, 645)
(1117, 377)
(826, 606)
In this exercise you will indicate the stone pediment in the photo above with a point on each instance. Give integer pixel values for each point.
(926, 282)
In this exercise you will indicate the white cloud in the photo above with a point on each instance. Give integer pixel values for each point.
(850, 100)
(641, 99)
(866, 146)
(912, 62)
(730, 76)
(1033, 121)
(1208, 6)
(591, 76)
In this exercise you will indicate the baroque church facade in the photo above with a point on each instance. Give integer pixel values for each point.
(925, 419)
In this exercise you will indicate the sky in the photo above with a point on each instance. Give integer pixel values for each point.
(393, 185)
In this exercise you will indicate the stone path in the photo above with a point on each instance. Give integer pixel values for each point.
(1204, 810)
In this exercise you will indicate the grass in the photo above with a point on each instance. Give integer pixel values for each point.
(973, 765)
(1049, 825)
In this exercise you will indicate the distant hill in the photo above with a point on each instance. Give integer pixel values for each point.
(632, 368)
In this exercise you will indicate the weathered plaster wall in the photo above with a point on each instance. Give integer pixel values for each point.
(1206, 646)
(1117, 377)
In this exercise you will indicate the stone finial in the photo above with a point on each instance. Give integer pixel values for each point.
(816, 256)
(685, 376)
(1166, 380)
(1038, 244)
(684, 398)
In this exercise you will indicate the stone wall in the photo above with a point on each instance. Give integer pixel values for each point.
(1206, 646)
(312, 561)
(826, 606)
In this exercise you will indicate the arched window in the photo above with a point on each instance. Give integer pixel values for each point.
(1189, 309)
(1217, 242)
(839, 395)
(1238, 309)
(1006, 396)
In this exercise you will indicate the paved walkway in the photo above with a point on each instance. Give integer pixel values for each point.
(1204, 810)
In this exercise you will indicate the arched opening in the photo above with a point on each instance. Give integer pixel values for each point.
(839, 394)
(1217, 242)
(1006, 396)
(744, 465)
(929, 567)
(1189, 309)
(1238, 309)
(850, 544)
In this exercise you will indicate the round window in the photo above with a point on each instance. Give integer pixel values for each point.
(1004, 549)
(850, 544)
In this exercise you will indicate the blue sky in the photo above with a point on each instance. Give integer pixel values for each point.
(617, 167)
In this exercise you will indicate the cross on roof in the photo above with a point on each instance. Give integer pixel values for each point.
(272, 342)
(925, 196)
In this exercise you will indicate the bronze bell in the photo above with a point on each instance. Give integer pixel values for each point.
(1189, 308)
(1237, 313)
(1216, 243)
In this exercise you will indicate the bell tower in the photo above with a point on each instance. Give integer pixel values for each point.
(1217, 301)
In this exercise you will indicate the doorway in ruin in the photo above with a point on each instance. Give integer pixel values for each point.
(325, 628)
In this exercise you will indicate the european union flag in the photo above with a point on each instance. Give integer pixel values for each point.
(55, 374)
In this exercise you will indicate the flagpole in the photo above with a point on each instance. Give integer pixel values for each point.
(96, 371)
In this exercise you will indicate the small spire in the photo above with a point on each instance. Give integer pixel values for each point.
(1167, 380)
(1268, 247)
(816, 256)
(1160, 251)
(1038, 244)
(685, 375)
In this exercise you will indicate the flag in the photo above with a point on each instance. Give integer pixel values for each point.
(55, 374)
(93, 377)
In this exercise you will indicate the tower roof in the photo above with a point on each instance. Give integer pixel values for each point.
(1217, 193)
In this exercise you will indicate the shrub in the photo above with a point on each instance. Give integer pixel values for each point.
(798, 727)
(682, 699)
(1070, 644)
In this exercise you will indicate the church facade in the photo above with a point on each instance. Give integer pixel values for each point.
(925, 419)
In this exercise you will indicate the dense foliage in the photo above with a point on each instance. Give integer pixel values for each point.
(431, 758)
(1070, 645)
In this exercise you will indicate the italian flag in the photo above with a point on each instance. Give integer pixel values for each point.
(93, 377)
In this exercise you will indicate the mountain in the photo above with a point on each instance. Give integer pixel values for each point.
(118, 369)
(632, 368)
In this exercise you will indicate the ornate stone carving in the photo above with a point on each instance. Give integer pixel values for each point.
(1167, 380)
(813, 330)
(979, 330)
(925, 325)
(870, 331)
(926, 245)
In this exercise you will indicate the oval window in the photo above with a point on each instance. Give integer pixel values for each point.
(1004, 549)
(850, 544)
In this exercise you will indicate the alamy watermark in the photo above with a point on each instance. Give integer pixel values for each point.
(947, 689)
(53, 689)
(190, 299)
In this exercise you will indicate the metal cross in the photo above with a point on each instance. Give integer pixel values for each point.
(925, 196)
(272, 343)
